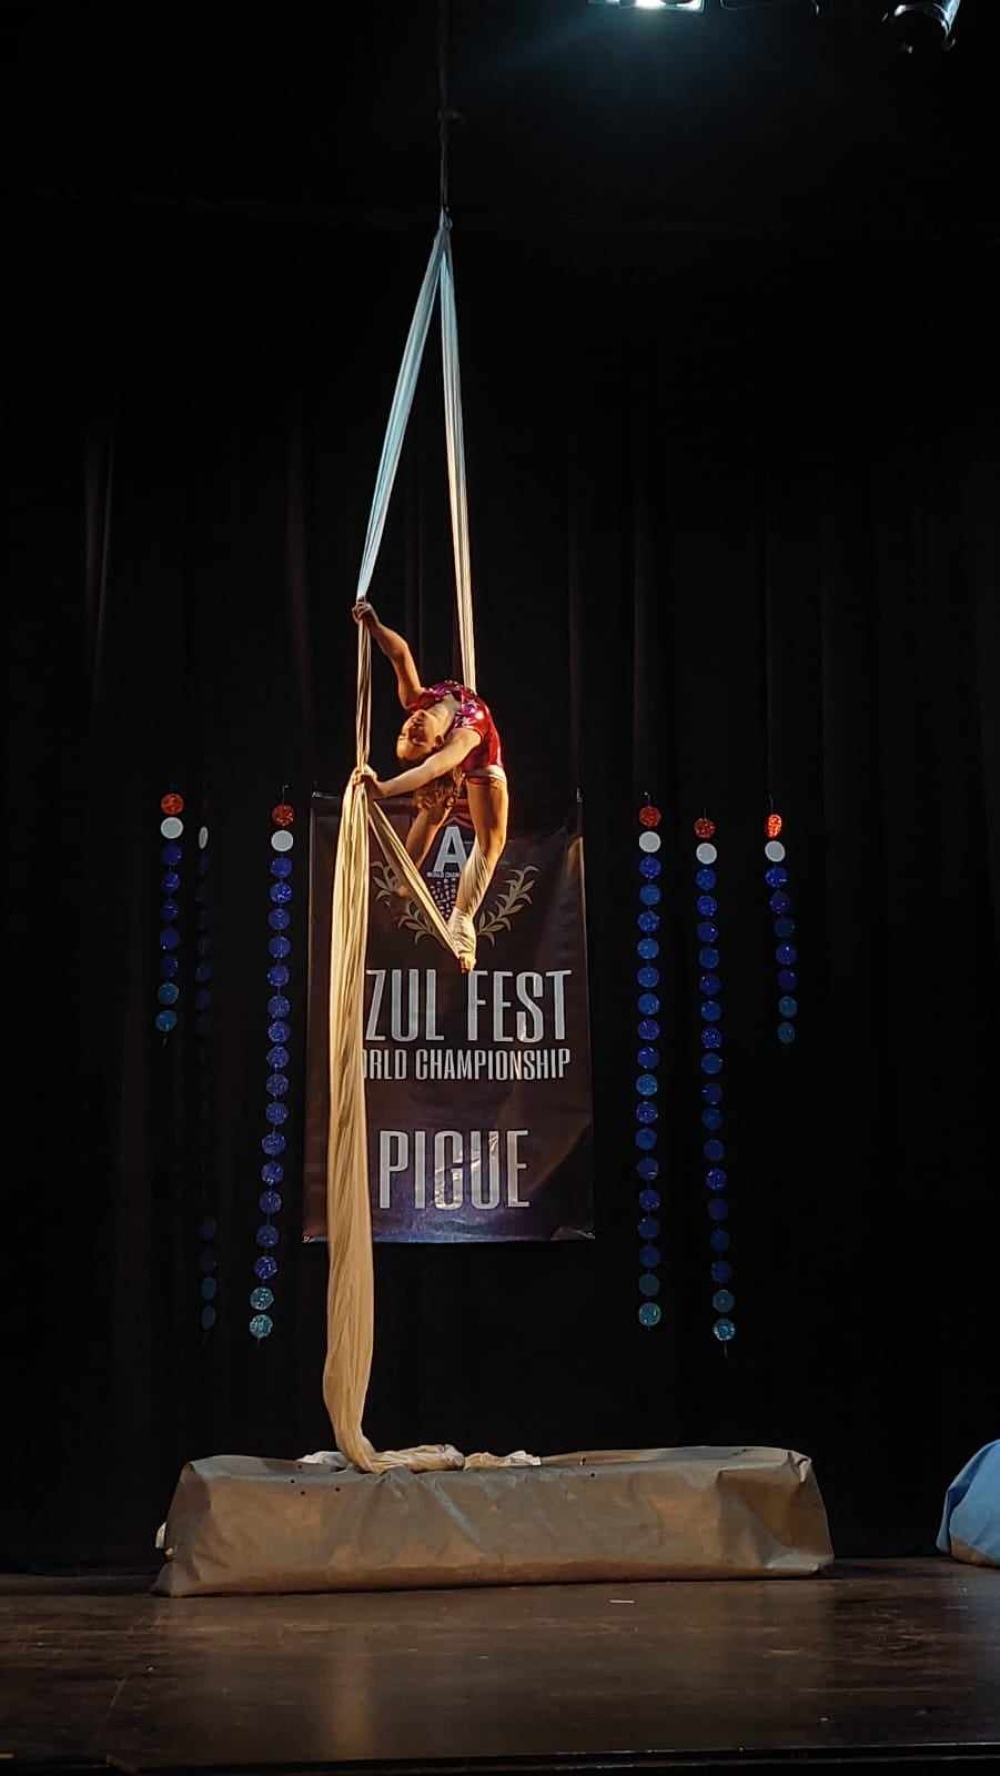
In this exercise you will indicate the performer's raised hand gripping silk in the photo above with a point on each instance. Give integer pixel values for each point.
(450, 740)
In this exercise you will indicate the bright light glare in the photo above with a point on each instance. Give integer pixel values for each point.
(654, 5)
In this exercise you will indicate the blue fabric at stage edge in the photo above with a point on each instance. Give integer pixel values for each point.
(970, 1527)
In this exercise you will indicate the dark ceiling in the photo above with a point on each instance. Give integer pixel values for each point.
(573, 118)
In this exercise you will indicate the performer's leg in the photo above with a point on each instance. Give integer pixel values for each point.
(488, 806)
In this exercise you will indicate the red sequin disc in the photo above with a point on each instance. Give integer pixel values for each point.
(704, 827)
(172, 804)
(650, 816)
(774, 825)
(283, 815)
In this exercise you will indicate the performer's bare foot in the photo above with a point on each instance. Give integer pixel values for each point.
(463, 930)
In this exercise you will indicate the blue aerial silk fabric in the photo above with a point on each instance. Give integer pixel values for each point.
(970, 1527)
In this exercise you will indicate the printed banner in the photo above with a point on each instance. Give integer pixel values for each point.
(477, 1086)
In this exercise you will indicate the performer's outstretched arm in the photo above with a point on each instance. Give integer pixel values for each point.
(395, 649)
(445, 759)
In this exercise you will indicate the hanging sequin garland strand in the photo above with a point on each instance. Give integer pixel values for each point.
(711, 1063)
(207, 1224)
(782, 909)
(648, 1057)
(279, 1031)
(168, 992)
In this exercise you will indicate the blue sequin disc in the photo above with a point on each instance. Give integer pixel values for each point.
(281, 865)
(281, 893)
(648, 1004)
(279, 919)
(269, 1202)
(647, 948)
(649, 1257)
(650, 1313)
(787, 1006)
(714, 1150)
(168, 993)
(278, 1031)
(279, 947)
(786, 1033)
(650, 895)
(261, 1299)
(711, 1094)
(649, 1228)
(261, 1326)
(276, 1113)
(780, 903)
(649, 1029)
(711, 1063)
(170, 882)
(721, 1270)
(711, 1037)
(704, 878)
(784, 928)
(274, 1143)
(165, 1021)
(267, 1235)
(278, 1006)
(646, 1085)
(707, 932)
(650, 867)
(171, 854)
(650, 1201)
(776, 876)
(646, 1113)
(207, 1318)
(716, 1179)
(710, 984)
(708, 958)
(169, 911)
(718, 1208)
(788, 980)
(649, 1284)
(279, 975)
(265, 1268)
(786, 954)
(272, 1173)
(170, 938)
(711, 1011)
(706, 906)
(711, 1119)
(277, 1084)
(648, 1057)
(169, 966)
(648, 922)
(724, 1330)
(718, 1239)
(723, 1301)
(648, 1169)
(645, 1138)
(209, 1288)
(648, 977)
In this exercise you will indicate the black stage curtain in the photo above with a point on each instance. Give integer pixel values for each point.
(734, 520)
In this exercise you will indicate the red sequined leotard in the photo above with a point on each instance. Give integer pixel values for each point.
(473, 713)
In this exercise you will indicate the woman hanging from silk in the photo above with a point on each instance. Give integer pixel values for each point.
(450, 741)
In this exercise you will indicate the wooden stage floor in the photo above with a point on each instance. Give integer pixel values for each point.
(879, 1662)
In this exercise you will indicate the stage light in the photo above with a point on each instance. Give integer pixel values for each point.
(652, 5)
(922, 26)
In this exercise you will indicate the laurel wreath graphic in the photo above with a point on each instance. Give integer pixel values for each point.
(494, 919)
(516, 896)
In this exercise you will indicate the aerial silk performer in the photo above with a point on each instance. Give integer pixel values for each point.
(447, 742)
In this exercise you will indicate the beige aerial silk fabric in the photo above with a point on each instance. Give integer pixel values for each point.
(351, 1286)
